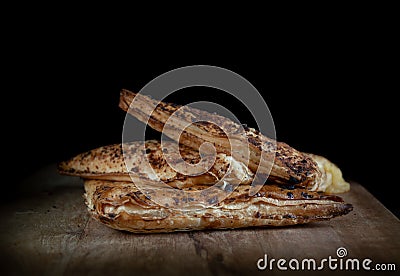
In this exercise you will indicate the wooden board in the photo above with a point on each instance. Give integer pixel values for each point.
(50, 232)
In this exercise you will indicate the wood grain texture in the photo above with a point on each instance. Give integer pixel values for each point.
(49, 232)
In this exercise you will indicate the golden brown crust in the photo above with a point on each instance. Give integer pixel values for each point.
(288, 164)
(107, 163)
(122, 206)
(113, 173)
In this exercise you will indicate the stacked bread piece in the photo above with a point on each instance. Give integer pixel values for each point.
(135, 186)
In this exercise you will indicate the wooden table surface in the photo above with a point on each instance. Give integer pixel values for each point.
(49, 231)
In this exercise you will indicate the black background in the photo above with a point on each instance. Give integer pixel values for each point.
(332, 99)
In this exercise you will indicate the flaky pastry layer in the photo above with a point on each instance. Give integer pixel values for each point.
(122, 206)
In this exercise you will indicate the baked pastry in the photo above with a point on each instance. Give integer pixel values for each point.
(125, 183)
(192, 127)
(332, 178)
(122, 206)
(147, 161)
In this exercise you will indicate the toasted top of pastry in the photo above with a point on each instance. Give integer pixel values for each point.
(192, 127)
(108, 163)
(148, 161)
